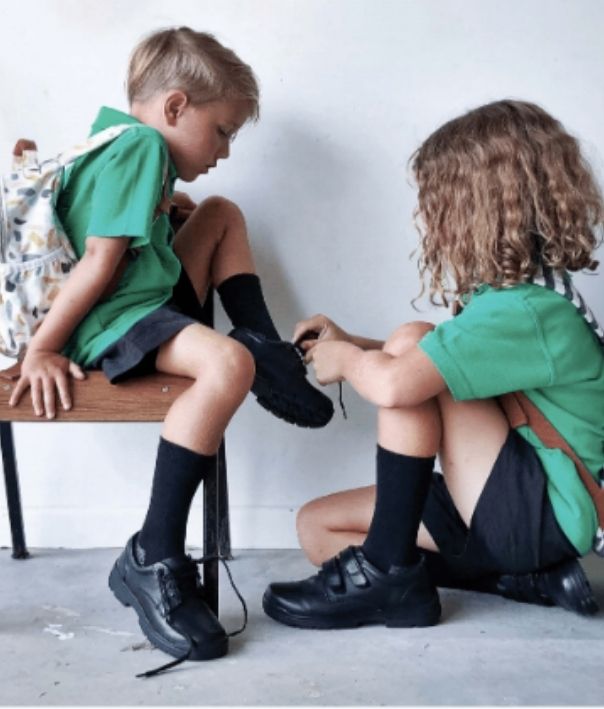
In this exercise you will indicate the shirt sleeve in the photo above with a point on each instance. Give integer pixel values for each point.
(496, 345)
(129, 188)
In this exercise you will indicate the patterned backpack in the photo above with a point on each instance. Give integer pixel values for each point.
(35, 253)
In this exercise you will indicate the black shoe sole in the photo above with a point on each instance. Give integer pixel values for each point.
(567, 587)
(287, 409)
(576, 594)
(416, 617)
(125, 596)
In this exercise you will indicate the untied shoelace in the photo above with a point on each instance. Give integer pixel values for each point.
(184, 658)
(203, 559)
(301, 354)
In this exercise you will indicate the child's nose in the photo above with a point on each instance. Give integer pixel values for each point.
(224, 152)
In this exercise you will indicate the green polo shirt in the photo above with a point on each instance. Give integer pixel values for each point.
(115, 191)
(531, 339)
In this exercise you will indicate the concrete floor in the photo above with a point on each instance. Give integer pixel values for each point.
(64, 640)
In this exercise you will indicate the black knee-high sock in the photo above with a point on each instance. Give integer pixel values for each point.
(401, 489)
(243, 301)
(178, 472)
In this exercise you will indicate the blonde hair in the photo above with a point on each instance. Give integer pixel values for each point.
(503, 189)
(194, 62)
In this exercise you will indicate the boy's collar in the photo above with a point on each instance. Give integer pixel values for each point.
(108, 117)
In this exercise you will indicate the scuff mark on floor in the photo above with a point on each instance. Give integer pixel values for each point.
(53, 629)
(108, 631)
(138, 646)
(61, 610)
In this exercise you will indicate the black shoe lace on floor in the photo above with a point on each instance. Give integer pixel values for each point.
(185, 657)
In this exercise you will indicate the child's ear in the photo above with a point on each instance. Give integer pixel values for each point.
(174, 105)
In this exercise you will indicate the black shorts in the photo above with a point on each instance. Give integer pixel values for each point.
(135, 352)
(513, 528)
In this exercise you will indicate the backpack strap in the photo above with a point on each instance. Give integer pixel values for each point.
(520, 411)
(166, 201)
(93, 143)
(102, 138)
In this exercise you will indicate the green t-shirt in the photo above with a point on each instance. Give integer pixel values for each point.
(115, 191)
(529, 338)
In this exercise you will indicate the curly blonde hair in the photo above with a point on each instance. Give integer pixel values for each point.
(503, 189)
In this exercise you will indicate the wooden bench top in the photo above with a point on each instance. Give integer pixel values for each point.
(145, 398)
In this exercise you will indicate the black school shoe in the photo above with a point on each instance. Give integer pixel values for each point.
(564, 585)
(349, 591)
(168, 599)
(280, 384)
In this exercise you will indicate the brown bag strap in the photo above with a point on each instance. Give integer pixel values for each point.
(521, 411)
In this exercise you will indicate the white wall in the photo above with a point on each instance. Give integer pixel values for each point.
(349, 89)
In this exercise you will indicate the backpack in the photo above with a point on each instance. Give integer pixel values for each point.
(520, 410)
(36, 256)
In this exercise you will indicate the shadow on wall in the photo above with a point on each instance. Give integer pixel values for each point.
(298, 243)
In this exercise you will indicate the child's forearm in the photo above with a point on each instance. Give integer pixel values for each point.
(81, 291)
(366, 343)
(368, 372)
(392, 382)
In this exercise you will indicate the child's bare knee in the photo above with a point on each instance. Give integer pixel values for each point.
(228, 366)
(309, 528)
(305, 517)
(217, 207)
(407, 336)
(237, 365)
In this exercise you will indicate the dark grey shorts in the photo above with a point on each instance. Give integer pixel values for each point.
(135, 352)
(513, 529)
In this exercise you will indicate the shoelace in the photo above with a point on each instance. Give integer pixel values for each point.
(301, 354)
(341, 400)
(184, 658)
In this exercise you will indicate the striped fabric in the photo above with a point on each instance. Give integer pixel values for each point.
(561, 282)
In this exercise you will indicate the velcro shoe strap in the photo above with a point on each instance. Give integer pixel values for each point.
(353, 568)
(333, 575)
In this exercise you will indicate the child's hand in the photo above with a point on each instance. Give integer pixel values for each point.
(44, 372)
(329, 360)
(181, 208)
(319, 328)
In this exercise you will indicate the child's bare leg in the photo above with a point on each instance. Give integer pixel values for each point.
(328, 524)
(153, 574)
(467, 435)
(213, 244)
(357, 587)
(473, 435)
(221, 371)
(214, 249)
(331, 523)
(476, 431)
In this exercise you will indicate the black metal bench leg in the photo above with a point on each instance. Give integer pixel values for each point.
(216, 537)
(224, 526)
(13, 496)
(210, 539)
